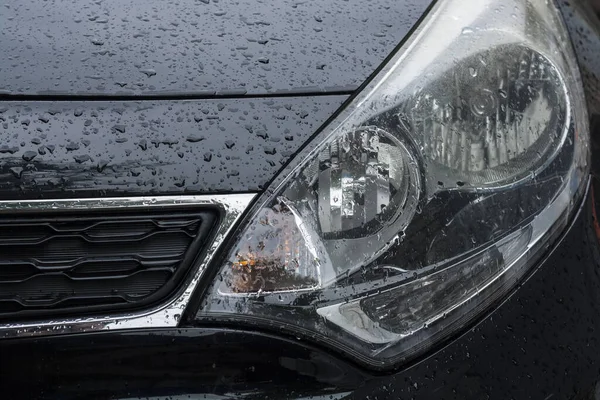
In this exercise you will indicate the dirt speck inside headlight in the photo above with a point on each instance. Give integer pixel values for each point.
(427, 198)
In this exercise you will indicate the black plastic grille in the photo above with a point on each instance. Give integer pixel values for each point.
(76, 265)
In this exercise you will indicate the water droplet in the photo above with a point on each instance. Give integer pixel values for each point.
(82, 158)
(72, 146)
(29, 155)
(148, 72)
(10, 150)
(119, 128)
(101, 165)
(194, 138)
(17, 172)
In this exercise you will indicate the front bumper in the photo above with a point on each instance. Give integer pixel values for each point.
(543, 342)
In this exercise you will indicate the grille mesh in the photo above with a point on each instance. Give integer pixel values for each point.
(72, 265)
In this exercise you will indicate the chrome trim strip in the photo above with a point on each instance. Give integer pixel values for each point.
(163, 316)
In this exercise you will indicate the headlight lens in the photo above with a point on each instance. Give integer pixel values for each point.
(428, 197)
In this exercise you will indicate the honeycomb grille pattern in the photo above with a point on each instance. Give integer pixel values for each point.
(67, 264)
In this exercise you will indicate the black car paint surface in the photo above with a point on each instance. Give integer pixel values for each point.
(141, 47)
(110, 148)
(258, 79)
(541, 343)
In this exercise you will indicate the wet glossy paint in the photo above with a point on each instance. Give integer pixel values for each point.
(176, 362)
(584, 27)
(141, 47)
(93, 149)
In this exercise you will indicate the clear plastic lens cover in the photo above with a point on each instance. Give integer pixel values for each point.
(428, 197)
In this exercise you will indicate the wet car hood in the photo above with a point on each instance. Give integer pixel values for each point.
(142, 47)
(72, 149)
(153, 97)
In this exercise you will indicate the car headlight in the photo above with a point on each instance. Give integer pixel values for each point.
(428, 196)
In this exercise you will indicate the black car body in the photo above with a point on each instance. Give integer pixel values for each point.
(111, 104)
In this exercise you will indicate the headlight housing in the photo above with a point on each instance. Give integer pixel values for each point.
(428, 197)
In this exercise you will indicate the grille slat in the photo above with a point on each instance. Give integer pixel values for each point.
(76, 265)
